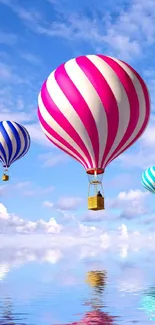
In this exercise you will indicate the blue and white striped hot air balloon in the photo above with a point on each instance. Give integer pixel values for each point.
(14, 144)
(148, 179)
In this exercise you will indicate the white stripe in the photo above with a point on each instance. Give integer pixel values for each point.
(142, 104)
(1, 154)
(2, 159)
(68, 111)
(121, 99)
(22, 141)
(62, 146)
(152, 171)
(57, 128)
(12, 139)
(146, 184)
(147, 188)
(5, 147)
(150, 179)
(27, 147)
(93, 101)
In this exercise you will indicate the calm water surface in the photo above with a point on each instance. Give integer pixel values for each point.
(51, 286)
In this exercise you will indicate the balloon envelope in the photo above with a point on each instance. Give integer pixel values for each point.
(14, 142)
(94, 107)
(148, 179)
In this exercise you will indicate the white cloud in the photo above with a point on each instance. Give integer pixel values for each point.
(131, 203)
(131, 280)
(19, 117)
(49, 227)
(4, 269)
(123, 230)
(148, 137)
(10, 223)
(95, 216)
(69, 203)
(126, 205)
(22, 185)
(31, 58)
(48, 242)
(48, 204)
(128, 35)
(3, 212)
(105, 241)
(131, 195)
(37, 134)
(37, 190)
(51, 159)
(7, 38)
(141, 159)
(8, 74)
(12, 256)
(142, 156)
(52, 256)
(27, 188)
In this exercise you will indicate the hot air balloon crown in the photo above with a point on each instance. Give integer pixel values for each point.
(93, 108)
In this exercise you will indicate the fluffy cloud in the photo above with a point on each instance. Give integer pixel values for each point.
(10, 223)
(97, 216)
(37, 134)
(88, 245)
(31, 58)
(129, 205)
(48, 204)
(128, 35)
(131, 280)
(76, 234)
(7, 38)
(24, 241)
(26, 188)
(65, 203)
(69, 203)
(51, 159)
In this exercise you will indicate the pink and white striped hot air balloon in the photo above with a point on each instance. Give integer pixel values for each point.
(94, 107)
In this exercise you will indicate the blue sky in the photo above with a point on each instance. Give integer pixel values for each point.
(47, 191)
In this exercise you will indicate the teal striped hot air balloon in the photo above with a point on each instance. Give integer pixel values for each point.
(148, 179)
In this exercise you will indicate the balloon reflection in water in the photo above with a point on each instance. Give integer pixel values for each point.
(96, 317)
(148, 304)
(7, 315)
(97, 280)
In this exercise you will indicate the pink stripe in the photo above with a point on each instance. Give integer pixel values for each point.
(107, 98)
(58, 116)
(63, 149)
(147, 114)
(60, 139)
(80, 106)
(145, 90)
(132, 97)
